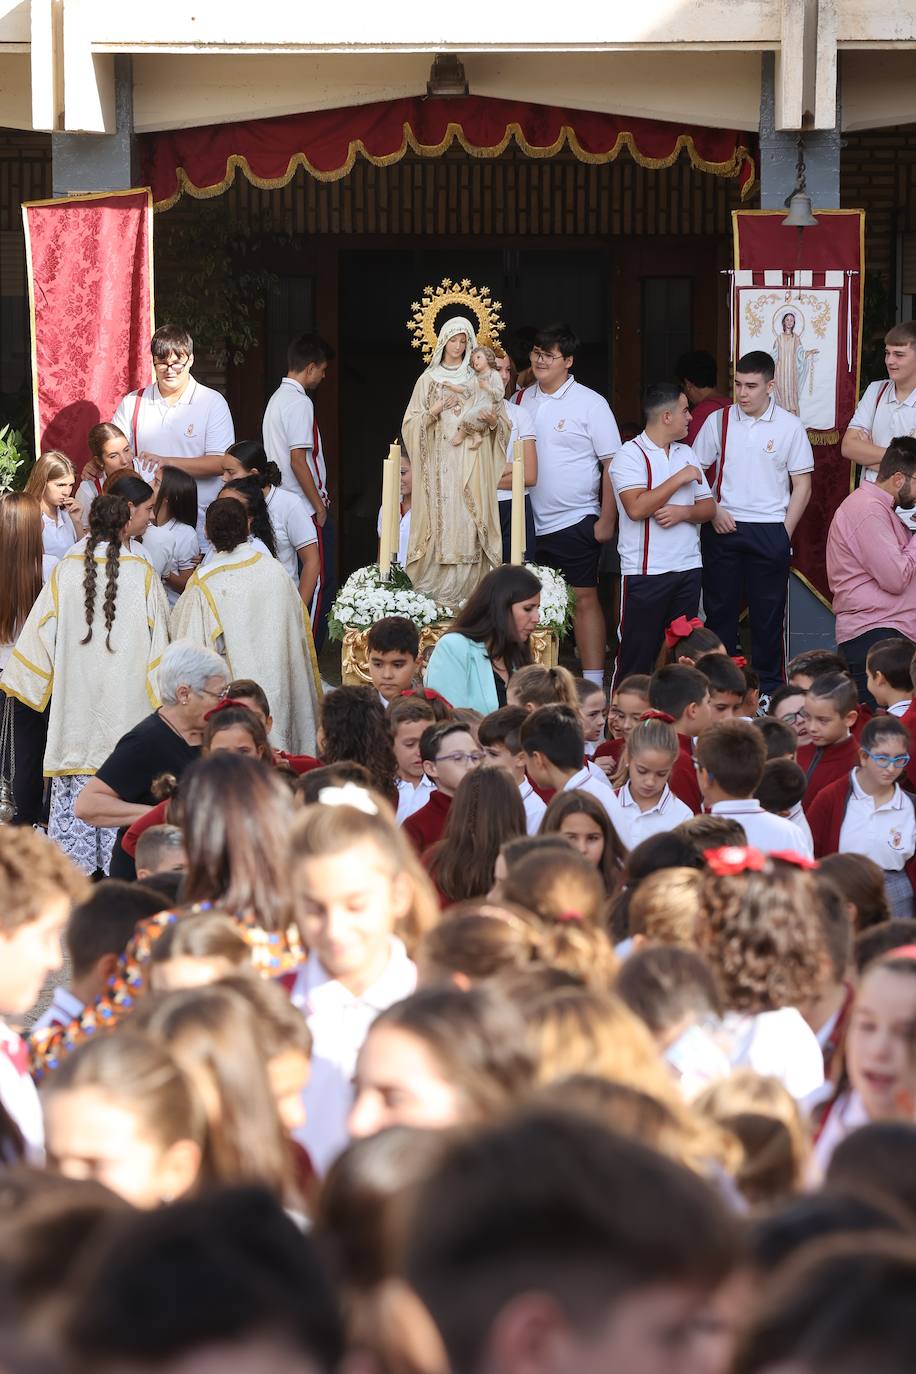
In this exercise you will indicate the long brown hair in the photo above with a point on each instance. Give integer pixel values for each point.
(235, 817)
(96, 439)
(107, 517)
(49, 468)
(487, 811)
(20, 559)
(579, 803)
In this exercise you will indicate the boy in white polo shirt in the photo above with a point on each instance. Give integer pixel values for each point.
(573, 503)
(662, 499)
(762, 484)
(731, 757)
(887, 409)
(176, 422)
(554, 747)
(292, 441)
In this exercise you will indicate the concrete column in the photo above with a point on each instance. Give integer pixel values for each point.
(811, 624)
(100, 162)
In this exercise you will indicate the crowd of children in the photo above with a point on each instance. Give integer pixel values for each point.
(575, 1036)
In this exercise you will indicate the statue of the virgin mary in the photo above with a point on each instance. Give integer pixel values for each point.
(454, 523)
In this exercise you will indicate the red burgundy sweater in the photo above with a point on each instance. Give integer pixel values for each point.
(611, 748)
(425, 826)
(683, 780)
(909, 720)
(826, 765)
(825, 817)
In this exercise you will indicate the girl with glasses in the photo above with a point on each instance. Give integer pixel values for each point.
(867, 812)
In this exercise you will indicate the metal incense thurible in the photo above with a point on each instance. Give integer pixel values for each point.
(7, 804)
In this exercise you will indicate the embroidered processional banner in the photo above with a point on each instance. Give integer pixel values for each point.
(90, 271)
(797, 295)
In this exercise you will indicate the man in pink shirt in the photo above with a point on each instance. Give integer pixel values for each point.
(696, 374)
(871, 561)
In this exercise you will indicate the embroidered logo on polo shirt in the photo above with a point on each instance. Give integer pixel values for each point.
(770, 446)
(561, 424)
(895, 839)
(190, 430)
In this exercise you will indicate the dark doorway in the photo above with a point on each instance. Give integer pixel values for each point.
(378, 366)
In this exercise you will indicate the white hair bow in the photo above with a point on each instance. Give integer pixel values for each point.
(350, 794)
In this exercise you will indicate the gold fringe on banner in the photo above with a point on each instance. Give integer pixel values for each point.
(823, 438)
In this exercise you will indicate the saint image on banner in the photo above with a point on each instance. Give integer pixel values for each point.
(794, 362)
(800, 331)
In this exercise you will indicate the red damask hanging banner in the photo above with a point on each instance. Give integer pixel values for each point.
(797, 294)
(90, 268)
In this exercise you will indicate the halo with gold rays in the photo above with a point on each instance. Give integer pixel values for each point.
(475, 300)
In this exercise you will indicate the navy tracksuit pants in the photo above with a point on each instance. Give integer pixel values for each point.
(751, 565)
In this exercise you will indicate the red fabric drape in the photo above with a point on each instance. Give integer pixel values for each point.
(837, 244)
(203, 162)
(90, 295)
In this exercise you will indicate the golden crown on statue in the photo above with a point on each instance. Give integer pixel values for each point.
(476, 300)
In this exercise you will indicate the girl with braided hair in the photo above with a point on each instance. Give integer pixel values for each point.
(293, 527)
(90, 646)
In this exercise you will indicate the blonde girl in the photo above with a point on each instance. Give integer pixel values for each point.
(51, 482)
(535, 685)
(648, 806)
(110, 454)
(362, 901)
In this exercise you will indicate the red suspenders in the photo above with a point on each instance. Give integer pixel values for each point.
(645, 551)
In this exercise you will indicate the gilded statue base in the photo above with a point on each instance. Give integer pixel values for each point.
(354, 657)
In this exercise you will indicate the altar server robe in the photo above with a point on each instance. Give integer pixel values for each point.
(244, 605)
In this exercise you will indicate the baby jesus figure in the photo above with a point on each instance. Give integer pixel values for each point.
(480, 400)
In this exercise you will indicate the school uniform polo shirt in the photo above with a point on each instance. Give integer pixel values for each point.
(412, 796)
(574, 428)
(293, 528)
(634, 826)
(766, 832)
(534, 807)
(644, 546)
(586, 781)
(289, 422)
(197, 424)
(885, 834)
(761, 454)
(521, 427)
(884, 417)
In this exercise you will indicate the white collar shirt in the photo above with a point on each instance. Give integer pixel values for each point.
(762, 453)
(293, 527)
(644, 546)
(58, 536)
(534, 805)
(575, 431)
(634, 826)
(289, 422)
(586, 781)
(339, 1022)
(411, 797)
(521, 424)
(197, 424)
(778, 1044)
(899, 708)
(764, 831)
(798, 818)
(886, 834)
(884, 417)
(20, 1096)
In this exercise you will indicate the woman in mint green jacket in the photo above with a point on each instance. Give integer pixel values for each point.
(473, 661)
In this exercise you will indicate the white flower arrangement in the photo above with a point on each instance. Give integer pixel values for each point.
(558, 600)
(365, 598)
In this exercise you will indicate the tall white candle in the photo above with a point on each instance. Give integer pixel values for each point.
(517, 527)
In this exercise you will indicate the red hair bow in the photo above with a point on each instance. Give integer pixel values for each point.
(567, 916)
(739, 660)
(225, 705)
(734, 858)
(680, 628)
(792, 856)
(426, 694)
(657, 715)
